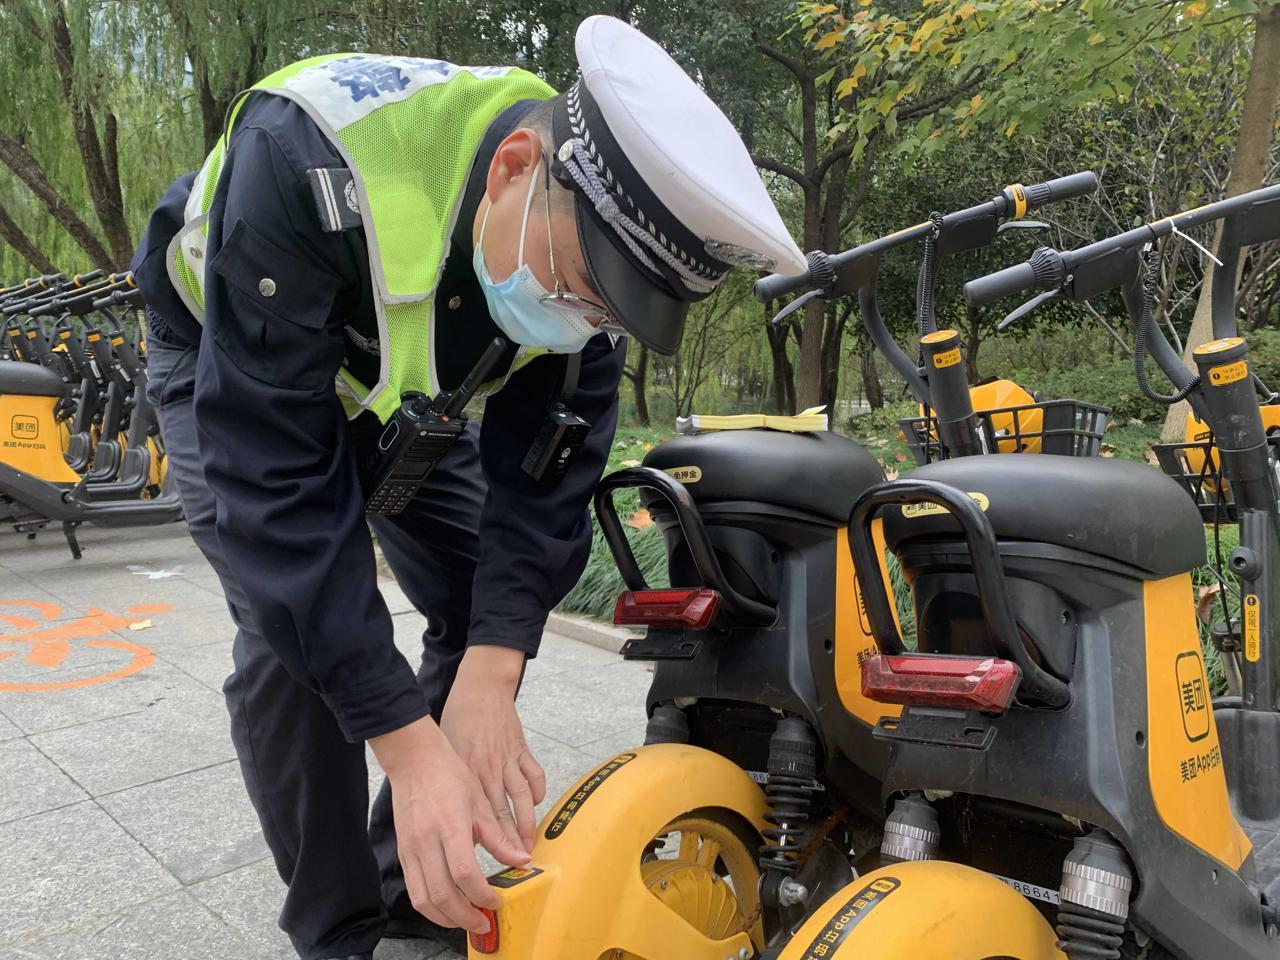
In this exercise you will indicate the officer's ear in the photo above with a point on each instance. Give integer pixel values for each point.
(513, 162)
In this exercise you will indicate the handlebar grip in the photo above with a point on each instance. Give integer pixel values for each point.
(820, 276)
(1046, 269)
(1002, 283)
(80, 279)
(125, 277)
(1063, 188)
(132, 298)
(778, 285)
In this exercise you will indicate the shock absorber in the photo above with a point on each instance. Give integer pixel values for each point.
(1096, 883)
(789, 788)
(667, 725)
(911, 832)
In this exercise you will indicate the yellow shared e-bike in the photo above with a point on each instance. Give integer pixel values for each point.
(763, 792)
(78, 439)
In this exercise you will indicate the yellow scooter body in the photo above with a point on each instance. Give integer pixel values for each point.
(583, 898)
(31, 438)
(929, 910)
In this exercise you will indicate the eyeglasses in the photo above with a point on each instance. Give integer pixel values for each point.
(596, 314)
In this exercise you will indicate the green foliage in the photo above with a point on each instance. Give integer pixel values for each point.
(1107, 381)
(1227, 539)
(1264, 355)
(1020, 64)
(595, 593)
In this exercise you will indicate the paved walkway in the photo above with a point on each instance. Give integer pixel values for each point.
(124, 830)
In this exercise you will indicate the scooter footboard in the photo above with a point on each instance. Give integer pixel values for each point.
(584, 896)
(933, 909)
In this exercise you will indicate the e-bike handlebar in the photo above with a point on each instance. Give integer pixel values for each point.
(80, 279)
(129, 298)
(1047, 268)
(81, 301)
(1012, 202)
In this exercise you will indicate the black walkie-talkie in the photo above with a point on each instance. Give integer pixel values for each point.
(420, 433)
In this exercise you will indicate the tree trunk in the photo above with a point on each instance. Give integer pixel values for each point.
(14, 236)
(639, 381)
(809, 378)
(833, 336)
(784, 391)
(971, 346)
(104, 185)
(871, 384)
(1248, 167)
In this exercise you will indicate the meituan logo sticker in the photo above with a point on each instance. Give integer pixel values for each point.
(1193, 695)
(24, 427)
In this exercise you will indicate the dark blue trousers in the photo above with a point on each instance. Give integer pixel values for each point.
(307, 783)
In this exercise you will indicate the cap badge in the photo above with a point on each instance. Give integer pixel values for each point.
(738, 255)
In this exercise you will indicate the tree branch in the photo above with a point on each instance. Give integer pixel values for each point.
(839, 153)
(28, 170)
(783, 169)
(924, 107)
(796, 67)
(14, 236)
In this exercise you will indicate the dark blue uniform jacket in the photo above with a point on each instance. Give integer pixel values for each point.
(284, 462)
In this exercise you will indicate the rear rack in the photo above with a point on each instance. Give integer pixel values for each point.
(1196, 468)
(1070, 428)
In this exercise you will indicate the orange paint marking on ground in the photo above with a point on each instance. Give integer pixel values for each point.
(50, 647)
(147, 609)
(19, 621)
(47, 611)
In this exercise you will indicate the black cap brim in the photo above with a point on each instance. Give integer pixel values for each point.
(648, 313)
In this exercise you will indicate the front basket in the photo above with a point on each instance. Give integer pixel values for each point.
(1069, 428)
(1196, 467)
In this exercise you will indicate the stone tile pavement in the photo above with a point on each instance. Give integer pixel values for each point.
(124, 830)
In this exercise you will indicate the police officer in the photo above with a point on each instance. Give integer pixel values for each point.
(366, 226)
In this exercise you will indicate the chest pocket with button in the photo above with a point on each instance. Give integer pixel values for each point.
(276, 330)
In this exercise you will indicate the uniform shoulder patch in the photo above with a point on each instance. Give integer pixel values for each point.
(337, 204)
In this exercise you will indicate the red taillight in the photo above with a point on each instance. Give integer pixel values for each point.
(939, 681)
(486, 942)
(667, 608)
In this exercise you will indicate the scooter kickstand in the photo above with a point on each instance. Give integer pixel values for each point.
(69, 531)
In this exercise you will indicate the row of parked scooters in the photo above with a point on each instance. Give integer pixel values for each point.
(1042, 770)
(78, 437)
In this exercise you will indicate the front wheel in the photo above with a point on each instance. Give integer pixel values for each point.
(702, 867)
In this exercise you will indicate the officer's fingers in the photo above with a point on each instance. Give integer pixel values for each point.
(494, 790)
(460, 853)
(444, 877)
(490, 836)
(416, 885)
(534, 774)
(522, 797)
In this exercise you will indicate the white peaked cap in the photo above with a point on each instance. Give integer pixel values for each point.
(647, 152)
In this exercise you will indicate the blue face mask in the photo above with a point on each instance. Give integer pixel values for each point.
(517, 304)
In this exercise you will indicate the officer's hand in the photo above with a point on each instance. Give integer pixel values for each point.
(440, 814)
(480, 721)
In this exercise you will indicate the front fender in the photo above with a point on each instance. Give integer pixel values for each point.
(933, 909)
(584, 895)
